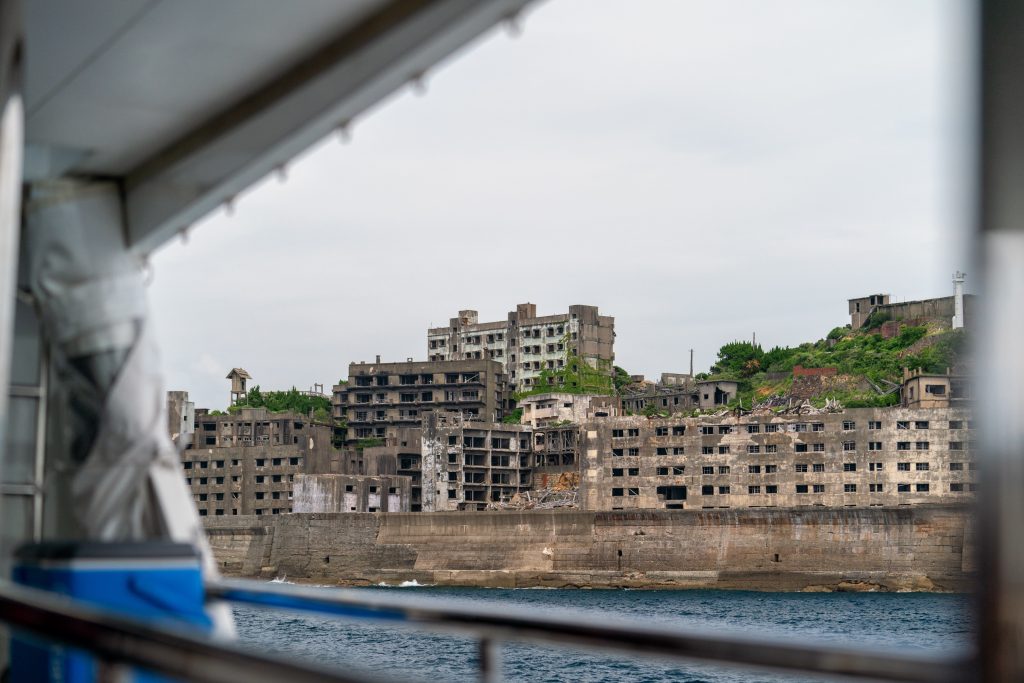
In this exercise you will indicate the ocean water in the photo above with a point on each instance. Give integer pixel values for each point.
(898, 622)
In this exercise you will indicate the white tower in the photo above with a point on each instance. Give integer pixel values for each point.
(958, 299)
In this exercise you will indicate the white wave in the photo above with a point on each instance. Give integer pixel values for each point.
(282, 579)
(405, 584)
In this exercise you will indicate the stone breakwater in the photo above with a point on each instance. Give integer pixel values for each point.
(924, 548)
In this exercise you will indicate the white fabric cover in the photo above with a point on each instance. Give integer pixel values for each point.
(91, 295)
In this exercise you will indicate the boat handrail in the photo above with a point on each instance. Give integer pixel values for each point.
(179, 653)
(121, 641)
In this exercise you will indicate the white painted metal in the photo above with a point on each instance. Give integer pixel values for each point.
(11, 129)
(187, 103)
(11, 144)
(1001, 363)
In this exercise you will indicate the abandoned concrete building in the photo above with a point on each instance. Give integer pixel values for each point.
(672, 393)
(181, 418)
(382, 398)
(527, 344)
(541, 410)
(859, 457)
(956, 311)
(245, 463)
(468, 465)
(555, 450)
(401, 456)
(715, 393)
(677, 393)
(929, 390)
(348, 493)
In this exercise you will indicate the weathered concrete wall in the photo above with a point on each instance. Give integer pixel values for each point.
(320, 493)
(906, 548)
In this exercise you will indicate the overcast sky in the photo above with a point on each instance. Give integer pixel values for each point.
(699, 170)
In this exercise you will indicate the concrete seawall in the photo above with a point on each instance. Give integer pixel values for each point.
(919, 548)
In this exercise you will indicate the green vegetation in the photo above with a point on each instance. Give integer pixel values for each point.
(577, 377)
(620, 379)
(214, 413)
(651, 410)
(514, 417)
(861, 354)
(876, 320)
(368, 443)
(285, 401)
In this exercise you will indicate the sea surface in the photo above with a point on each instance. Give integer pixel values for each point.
(897, 622)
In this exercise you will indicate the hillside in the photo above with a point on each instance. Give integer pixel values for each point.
(869, 367)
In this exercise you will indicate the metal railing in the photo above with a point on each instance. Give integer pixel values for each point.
(123, 641)
(119, 642)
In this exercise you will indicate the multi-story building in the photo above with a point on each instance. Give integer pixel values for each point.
(468, 465)
(527, 344)
(246, 463)
(402, 456)
(381, 399)
(555, 451)
(859, 457)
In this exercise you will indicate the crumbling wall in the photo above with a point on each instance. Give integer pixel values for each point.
(434, 452)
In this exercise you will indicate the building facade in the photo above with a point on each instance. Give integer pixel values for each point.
(246, 463)
(856, 458)
(181, 418)
(350, 493)
(469, 465)
(381, 399)
(957, 310)
(542, 410)
(528, 344)
(864, 306)
(929, 390)
(555, 451)
(673, 393)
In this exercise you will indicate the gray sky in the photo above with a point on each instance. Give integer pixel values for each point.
(699, 170)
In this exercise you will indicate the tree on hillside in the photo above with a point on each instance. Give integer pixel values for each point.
(738, 359)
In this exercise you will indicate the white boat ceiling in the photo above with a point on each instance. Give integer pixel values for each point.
(188, 102)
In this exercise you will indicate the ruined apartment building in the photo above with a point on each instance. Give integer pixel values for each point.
(380, 399)
(856, 458)
(468, 465)
(401, 456)
(555, 451)
(550, 452)
(245, 463)
(679, 397)
(527, 344)
(673, 393)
